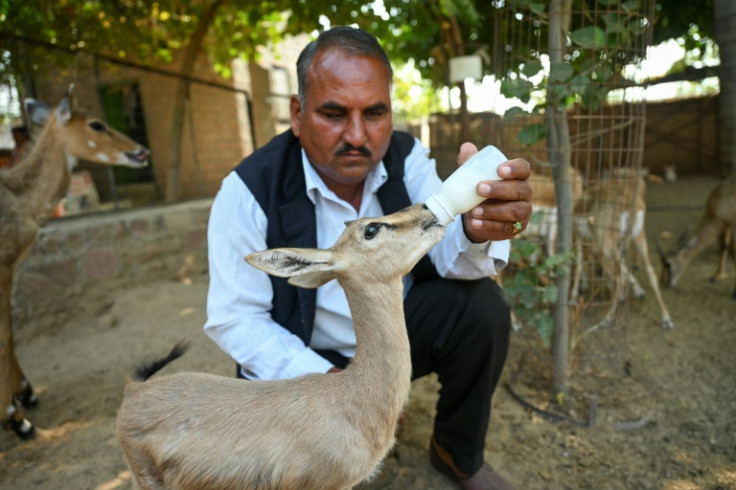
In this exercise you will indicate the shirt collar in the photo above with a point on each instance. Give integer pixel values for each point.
(315, 185)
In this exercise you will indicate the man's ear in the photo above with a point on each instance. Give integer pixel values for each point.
(295, 107)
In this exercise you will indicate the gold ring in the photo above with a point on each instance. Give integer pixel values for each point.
(517, 228)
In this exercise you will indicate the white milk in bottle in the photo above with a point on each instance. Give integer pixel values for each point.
(457, 194)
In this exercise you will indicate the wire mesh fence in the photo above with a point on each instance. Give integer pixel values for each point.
(594, 81)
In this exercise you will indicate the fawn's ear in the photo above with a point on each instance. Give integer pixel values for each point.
(307, 268)
(311, 280)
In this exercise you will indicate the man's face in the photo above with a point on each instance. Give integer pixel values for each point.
(345, 124)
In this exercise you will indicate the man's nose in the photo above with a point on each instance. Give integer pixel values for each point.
(355, 134)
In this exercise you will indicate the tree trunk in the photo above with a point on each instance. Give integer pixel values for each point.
(464, 115)
(725, 31)
(173, 177)
(558, 146)
(452, 36)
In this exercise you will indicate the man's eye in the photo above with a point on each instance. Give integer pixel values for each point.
(371, 231)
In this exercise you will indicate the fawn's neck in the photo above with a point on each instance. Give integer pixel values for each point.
(382, 362)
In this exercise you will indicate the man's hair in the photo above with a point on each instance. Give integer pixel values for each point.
(348, 39)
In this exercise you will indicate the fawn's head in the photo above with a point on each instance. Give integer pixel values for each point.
(374, 249)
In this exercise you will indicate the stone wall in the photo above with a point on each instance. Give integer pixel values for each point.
(76, 264)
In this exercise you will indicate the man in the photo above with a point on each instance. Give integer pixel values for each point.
(340, 161)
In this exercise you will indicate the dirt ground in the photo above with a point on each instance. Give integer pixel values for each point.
(666, 400)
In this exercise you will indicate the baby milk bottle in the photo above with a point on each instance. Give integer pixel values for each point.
(457, 194)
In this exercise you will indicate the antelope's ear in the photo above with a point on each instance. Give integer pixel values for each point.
(307, 268)
(38, 111)
(64, 110)
(71, 95)
(311, 280)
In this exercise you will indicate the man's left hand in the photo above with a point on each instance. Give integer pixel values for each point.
(508, 204)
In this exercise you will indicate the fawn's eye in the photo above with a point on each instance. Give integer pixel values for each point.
(371, 230)
(97, 126)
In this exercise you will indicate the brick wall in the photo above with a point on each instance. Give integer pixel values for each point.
(76, 264)
(216, 133)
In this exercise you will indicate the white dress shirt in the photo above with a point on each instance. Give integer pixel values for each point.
(239, 297)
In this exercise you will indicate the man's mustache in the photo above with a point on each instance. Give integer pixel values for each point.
(350, 148)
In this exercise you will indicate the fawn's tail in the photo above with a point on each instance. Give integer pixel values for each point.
(148, 369)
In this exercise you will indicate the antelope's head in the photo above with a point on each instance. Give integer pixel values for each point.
(370, 250)
(84, 137)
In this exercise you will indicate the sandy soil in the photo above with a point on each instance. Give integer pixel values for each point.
(666, 403)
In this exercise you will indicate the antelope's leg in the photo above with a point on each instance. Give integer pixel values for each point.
(11, 375)
(724, 246)
(642, 247)
(614, 272)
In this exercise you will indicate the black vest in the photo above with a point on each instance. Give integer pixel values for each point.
(275, 176)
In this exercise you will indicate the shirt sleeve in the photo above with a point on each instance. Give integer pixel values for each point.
(239, 299)
(455, 257)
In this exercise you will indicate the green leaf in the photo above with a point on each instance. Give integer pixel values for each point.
(531, 68)
(603, 73)
(545, 327)
(594, 95)
(592, 37)
(561, 71)
(517, 88)
(514, 112)
(537, 217)
(587, 64)
(549, 294)
(532, 134)
(579, 82)
(524, 247)
(615, 22)
(631, 5)
(538, 8)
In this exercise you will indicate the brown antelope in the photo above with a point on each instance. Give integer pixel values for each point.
(718, 220)
(670, 173)
(319, 431)
(615, 216)
(544, 202)
(29, 190)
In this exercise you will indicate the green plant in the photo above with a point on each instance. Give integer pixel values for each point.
(531, 286)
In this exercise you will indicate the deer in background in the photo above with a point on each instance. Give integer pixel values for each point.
(318, 431)
(718, 220)
(613, 215)
(670, 173)
(29, 190)
(544, 201)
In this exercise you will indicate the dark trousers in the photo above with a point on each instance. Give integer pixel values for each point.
(460, 330)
